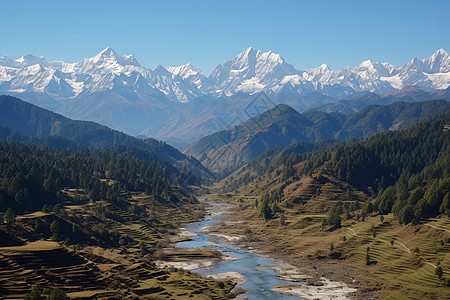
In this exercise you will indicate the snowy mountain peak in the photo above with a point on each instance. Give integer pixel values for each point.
(108, 51)
(160, 70)
(367, 64)
(250, 71)
(246, 56)
(184, 71)
(251, 54)
(106, 62)
(439, 62)
(250, 50)
(272, 57)
(108, 55)
(191, 74)
(324, 68)
(23, 62)
(415, 60)
(318, 73)
(440, 52)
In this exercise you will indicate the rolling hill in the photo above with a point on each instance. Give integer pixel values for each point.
(282, 125)
(25, 122)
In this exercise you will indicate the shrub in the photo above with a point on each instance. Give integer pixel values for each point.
(367, 259)
(282, 220)
(367, 256)
(55, 229)
(143, 248)
(58, 294)
(39, 226)
(34, 294)
(334, 218)
(10, 217)
(439, 272)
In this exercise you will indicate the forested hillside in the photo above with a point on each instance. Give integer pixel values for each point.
(26, 123)
(32, 177)
(227, 150)
(406, 171)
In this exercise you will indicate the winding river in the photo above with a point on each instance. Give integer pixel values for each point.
(258, 271)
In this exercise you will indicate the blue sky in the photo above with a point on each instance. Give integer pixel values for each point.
(205, 33)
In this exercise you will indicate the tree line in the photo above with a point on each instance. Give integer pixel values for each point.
(32, 176)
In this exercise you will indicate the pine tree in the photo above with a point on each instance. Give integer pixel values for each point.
(55, 229)
(265, 211)
(10, 217)
(282, 220)
(367, 256)
(439, 272)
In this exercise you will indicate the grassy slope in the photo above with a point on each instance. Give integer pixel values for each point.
(397, 270)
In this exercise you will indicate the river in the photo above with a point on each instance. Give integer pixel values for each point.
(258, 271)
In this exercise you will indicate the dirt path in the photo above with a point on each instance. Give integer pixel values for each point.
(399, 243)
(406, 249)
(435, 227)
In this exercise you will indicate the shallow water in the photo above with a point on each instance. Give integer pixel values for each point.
(257, 269)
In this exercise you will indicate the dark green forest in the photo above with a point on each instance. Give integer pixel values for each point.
(22, 122)
(33, 176)
(407, 172)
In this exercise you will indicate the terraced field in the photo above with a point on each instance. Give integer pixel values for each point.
(86, 270)
(45, 263)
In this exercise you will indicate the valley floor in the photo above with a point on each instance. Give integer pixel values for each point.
(403, 259)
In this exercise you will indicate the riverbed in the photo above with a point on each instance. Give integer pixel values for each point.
(255, 273)
(261, 276)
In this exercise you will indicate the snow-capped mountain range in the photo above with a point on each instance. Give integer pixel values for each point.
(117, 91)
(105, 71)
(249, 72)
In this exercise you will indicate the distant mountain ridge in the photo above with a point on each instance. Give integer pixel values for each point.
(282, 126)
(406, 94)
(117, 91)
(23, 122)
